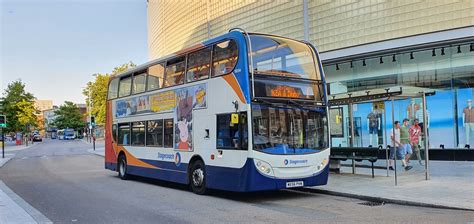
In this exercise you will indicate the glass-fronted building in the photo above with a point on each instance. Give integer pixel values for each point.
(364, 46)
(441, 63)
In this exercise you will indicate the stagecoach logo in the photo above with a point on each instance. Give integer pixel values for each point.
(177, 159)
(162, 156)
(295, 162)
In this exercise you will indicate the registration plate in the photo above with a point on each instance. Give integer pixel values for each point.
(294, 184)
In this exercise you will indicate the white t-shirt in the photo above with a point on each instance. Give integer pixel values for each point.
(397, 136)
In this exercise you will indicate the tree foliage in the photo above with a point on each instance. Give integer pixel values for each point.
(97, 90)
(18, 107)
(26, 114)
(68, 115)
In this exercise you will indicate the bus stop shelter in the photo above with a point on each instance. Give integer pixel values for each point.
(383, 95)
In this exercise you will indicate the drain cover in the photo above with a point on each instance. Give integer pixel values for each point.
(372, 203)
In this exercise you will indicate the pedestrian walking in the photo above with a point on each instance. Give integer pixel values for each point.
(415, 133)
(401, 148)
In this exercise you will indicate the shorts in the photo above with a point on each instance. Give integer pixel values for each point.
(373, 130)
(401, 151)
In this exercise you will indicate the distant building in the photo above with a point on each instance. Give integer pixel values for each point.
(83, 110)
(43, 105)
(49, 117)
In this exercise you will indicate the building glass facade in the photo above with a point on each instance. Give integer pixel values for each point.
(364, 45)
(447, 71)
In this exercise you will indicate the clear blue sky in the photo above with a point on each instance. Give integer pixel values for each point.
(55, 46)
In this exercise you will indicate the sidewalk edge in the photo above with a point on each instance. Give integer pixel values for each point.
(35, 214)
(5, 162)
(381, 199)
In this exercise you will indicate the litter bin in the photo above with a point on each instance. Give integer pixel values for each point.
(19, 138)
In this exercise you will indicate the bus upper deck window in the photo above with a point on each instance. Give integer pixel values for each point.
(125, 86)
(156, 74)
(139, 83)
(224, 57)
(198, 65)
(113, 88)
(174, 72)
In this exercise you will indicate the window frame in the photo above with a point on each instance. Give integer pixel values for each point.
(162, 133)
(212, 58)
(160, 82)
(129, 133)
(165, 79)
(240, 129)
(117, 89)
(136, 74)
(132, 126)
(114, 132)
(131, 84)
(210, 47)
(172, 133)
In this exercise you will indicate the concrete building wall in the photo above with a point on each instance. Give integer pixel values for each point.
(173, 25)
(42, 105)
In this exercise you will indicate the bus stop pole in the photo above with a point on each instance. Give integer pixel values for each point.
(3, 143)
(426, 142)
(394, 144)
(351, 122)
(386, 143)
(93, 138)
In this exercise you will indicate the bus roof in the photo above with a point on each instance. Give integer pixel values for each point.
(178, 53)
(190, 49)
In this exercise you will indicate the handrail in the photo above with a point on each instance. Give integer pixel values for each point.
(249, 49)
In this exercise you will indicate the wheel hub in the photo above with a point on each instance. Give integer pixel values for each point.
(122, 168)
(198, 177)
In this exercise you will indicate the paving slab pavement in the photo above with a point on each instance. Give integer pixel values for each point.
(13, 208)
(451, 185)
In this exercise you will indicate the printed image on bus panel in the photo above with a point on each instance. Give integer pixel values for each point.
(281, 130)
(278, 56)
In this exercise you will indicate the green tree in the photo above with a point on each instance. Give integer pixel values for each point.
(16, 99)
(97, 90)
(26, 114)
(68, 115)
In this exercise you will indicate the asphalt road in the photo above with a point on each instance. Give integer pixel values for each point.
(69, 185)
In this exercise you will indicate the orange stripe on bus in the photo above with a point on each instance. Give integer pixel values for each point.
(133, 161)
(232, 81)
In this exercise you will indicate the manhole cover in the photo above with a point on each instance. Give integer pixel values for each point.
(372, 203)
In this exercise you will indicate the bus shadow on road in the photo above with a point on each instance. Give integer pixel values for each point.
(249, 197)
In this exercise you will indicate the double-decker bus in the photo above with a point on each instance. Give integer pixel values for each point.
(240, 112)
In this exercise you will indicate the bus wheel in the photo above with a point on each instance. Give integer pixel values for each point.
(197, 177)
(122, 169)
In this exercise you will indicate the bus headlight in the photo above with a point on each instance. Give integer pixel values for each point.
(263, 167)
(323, 164)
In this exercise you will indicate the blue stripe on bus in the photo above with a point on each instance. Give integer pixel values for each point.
(242, 179)
(249, 179)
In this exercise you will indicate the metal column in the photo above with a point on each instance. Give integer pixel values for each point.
(351, 123)
(386, 142)
(426, 142)
(394, 144)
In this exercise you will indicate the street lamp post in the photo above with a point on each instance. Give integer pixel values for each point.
(90, 115)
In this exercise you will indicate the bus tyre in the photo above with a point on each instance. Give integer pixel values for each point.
(197, 178)
(122, 168)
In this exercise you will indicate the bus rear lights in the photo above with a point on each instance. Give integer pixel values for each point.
(212, 156)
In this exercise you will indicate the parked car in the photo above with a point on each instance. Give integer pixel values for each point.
(37, 138)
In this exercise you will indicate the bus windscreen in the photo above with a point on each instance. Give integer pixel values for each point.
(278, 56)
